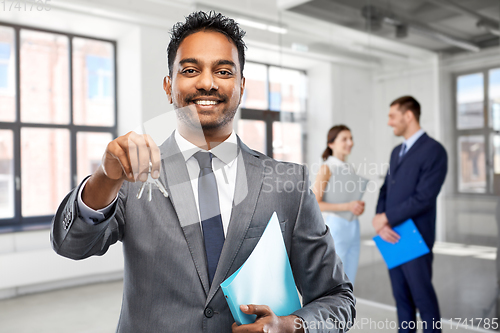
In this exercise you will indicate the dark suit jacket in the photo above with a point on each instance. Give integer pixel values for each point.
(412, 186)
(166, 285)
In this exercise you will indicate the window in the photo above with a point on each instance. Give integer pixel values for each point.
(100, 77)
(273, 111)
(478, 130)
(4, 65)
(55, 121)
(6, 174)
(93, 86)
(470, 101)
(7, 75)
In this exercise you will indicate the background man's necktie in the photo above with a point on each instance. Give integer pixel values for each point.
(402, 152)
(211, 221)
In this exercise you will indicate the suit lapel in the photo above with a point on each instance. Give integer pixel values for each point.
(394, 162)
(248, 184)
(181, 194)
(415, 147)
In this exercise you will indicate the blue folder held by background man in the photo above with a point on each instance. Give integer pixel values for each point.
(411, 245)
(265, 278)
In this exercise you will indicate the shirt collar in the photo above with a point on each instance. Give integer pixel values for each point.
(226, 151)
(412, 139)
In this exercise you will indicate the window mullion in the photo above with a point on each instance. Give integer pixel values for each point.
(488, 131)
(115, 57)
(72, 129)
(70, 62)
(17, 129)
(269, 134)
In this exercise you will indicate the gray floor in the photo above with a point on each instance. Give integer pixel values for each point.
(465, 285)
(88, 309)
(95, 309)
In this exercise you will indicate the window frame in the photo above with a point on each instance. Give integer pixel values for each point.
(269, 116)
(486, 132)
(18, 222)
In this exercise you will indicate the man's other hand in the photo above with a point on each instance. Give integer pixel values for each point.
(379, 221)
(389, 235)
(267, 321)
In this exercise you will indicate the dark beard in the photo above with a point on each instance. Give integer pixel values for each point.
(226, 117)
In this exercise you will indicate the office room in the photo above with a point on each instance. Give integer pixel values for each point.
(362, 84)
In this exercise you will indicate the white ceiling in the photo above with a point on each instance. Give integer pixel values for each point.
(443, 17)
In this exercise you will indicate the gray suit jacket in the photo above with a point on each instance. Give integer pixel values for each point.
(166, 285)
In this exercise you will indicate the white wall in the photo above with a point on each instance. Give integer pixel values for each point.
(129, 79)
(353, 106)
(28, 264)
(320, 113)
(154, 68)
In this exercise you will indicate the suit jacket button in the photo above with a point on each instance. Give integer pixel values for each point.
(209, 313)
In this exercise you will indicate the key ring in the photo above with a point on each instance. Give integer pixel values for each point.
(149, 182)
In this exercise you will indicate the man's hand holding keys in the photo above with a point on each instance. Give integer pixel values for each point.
(129, 157)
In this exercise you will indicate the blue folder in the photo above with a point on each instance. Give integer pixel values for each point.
(265, 278)
(411, 245)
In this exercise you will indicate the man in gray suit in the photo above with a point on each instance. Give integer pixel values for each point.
(178, 249)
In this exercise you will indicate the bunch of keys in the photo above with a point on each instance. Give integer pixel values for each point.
(150, 181)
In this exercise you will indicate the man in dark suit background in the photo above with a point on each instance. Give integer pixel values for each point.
(417, 171)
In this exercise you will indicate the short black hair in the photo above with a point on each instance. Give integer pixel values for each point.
(408, 103)
(202, 21)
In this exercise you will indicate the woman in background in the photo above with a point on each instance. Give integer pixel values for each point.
(345, 233)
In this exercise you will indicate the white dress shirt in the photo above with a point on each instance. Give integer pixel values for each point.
(411, 140)
(224, 164)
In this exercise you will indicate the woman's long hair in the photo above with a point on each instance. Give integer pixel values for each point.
(332, 135)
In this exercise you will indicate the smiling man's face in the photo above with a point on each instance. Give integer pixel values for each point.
(206, 75)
